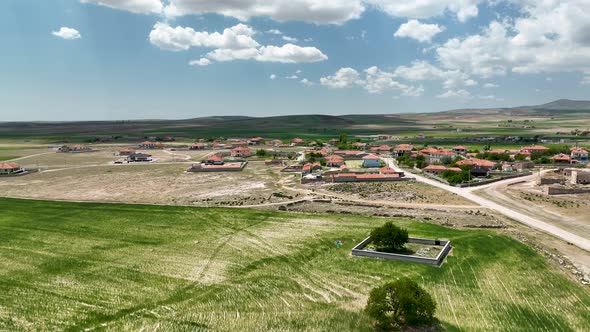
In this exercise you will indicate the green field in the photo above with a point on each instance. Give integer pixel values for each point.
(76, 266)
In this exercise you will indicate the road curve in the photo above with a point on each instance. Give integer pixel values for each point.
(467, 193)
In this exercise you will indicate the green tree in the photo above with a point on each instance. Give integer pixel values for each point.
(400, 303)
(261, 152)
(389, 236)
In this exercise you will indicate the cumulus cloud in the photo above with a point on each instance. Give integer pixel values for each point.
(289, 39)
(374, 81)
(200, 62)
(421, 32)
(273, 77)
(551, 36)
(306, 82)
(134, 6)
(343, 78)
(455, 94)
(67, 33)
(324, 12)
(490, 85)
(424, 71)
(235, 43)
(274, 32)
(463, 9)
(182, 38)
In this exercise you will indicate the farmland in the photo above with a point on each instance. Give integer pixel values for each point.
(130, 267)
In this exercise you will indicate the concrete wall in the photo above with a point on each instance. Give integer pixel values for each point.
(580, 177)
(446, 247)
(481, 183)
(564, 191)
(544, 181)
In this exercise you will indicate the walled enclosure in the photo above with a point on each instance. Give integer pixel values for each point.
(358, 250)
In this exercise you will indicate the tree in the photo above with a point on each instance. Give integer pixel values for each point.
(389, 236)
(400, 303)
(261, 152)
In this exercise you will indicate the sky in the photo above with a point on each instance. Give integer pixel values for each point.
(174, 59)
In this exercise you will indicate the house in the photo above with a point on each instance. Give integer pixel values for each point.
(534, 149)
(439, 169)
(215, 159)
(388, 170)
(241, 152)
(139, 157)
(479, 167)
(10, 168)
(401, 149)
(255, 141)
(147, 145)
(380, 149)
(359, 145)
(561, 158)
(460, 149)
(309, 167)
(276, 142)
(297, 141)
(507, 167)
(198, 146)
(350, 154)
(238, 143)
(126, 151)
(334, 161)
(437, 156)
(168, 139)
(371, 161)
(579, 154)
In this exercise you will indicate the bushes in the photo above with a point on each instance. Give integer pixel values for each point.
(400, 303)
(389, 236)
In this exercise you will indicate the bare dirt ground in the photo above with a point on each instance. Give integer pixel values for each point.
(149, 183)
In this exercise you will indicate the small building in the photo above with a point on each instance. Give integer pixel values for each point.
(371, 161)
(297, 141)
(310, 167)
(10, 168)
(479, 167)
(534, 149)
(561, 158)
(255, 141)
(380, 149)
(579, 154)
(139, 157)
(401, 149)
(198, 146)
(334, 161)
(241, 152)
(276, 142)
(359, 145)
(460, 149)
(439, 169)
(147, 145)
(215, 159)
(580, 177)
(126, 151)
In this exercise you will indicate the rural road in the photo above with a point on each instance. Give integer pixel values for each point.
(467, 193)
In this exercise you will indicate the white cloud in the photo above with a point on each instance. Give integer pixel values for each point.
(463, 9)
(419, 31)
(424, 71)
(306, 82)
(490, 85)
(274, 32)
(134, 6)
(551, 36)
(455, 94)
(323, 12)
(200, 62)
(273, 77)
(343, 78)
(181, 38)
(292, 77)
(375, 81)
(235, 43)
(486, 96)
(67, 33)
(289, 39)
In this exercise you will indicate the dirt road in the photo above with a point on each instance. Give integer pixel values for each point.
(467, 193)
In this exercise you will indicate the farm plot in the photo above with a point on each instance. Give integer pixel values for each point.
(129, 267)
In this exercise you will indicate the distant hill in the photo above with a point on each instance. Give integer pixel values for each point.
(557, 107)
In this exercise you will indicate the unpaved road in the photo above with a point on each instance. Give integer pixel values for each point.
(467, 193)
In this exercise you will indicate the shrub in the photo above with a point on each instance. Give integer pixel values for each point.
(400, 303)
(389, 236)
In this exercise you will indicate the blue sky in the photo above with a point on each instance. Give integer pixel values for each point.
(138, 59)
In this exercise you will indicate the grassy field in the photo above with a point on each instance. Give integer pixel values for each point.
(75, 266)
